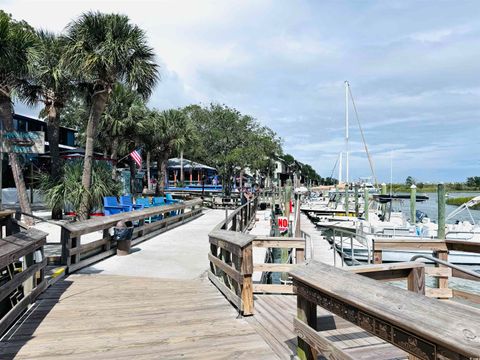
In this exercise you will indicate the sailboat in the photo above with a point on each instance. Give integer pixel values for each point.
(341, 203)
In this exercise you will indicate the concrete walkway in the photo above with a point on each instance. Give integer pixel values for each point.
(180, 253)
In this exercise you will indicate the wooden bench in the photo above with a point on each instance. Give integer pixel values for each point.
(31, 280)
(423, 327)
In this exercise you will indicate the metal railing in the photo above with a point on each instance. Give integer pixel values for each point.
(446, 263)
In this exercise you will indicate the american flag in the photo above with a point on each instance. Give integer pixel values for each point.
(137, 157)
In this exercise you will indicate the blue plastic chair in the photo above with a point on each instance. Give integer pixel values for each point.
(126, 200)
(112, 207)
(158, 201)
(143, 202)
(170, 200)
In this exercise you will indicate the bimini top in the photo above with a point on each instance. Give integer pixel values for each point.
(383, 199)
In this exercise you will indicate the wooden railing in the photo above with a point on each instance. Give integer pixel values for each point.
(231, 267)
(7, 223)
(21, 281)
(298, 256)
(241, 218)
(440, 251)
(231, 258)
(423, 327)
(440, 273)
(412, 272)
(76, 255)
(231, 261)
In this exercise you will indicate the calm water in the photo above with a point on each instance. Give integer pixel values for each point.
(430, 207)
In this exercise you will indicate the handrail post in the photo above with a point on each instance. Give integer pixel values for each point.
(416, 280)
(247, 286)
(377, 254)
(307, 313)
(234, 223)
(66, 246)
(441, 282)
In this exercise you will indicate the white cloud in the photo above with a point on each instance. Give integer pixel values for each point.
(413, 67)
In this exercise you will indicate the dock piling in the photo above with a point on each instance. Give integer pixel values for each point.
(413, 200)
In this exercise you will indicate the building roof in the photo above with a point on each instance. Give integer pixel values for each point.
(39, 121)
(175, 163)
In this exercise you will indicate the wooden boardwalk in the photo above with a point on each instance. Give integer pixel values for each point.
(119, 317)
(273, 319)
(318, 247)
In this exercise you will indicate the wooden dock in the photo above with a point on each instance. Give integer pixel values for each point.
(319, 248)
(157, 303)
(274, 321)
(121, 317)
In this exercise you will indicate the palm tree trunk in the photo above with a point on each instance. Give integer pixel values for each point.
(53, 140)
(162, 161)
(6, 118)
(114, 157)
(133, 165)
(99, 101)
(149, 185)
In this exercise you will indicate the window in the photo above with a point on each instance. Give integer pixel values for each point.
(70, 138)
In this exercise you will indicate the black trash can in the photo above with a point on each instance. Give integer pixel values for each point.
(122, 233)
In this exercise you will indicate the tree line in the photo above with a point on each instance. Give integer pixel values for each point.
(97, 77)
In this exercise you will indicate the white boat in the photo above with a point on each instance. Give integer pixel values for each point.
(360, 235)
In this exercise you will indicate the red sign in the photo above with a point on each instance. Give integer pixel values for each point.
(282, 223)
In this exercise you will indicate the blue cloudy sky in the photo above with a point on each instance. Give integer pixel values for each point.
(413, 66)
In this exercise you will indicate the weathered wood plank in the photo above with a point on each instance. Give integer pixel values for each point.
(409, 244)
(234, 238)
(100, 223)
(246, 267)
(328, 349)
(475, 298)
(444, 293)
(21, 306)
(229, 294)
(406, 310)
(18, 279)
(232, 248)
(284, 244)
(110, 317)
(307, 313)
(20, 244)
(463, 245)
(384, 267)
(438, 271)
(279, 238)
(89, 246)
(273, 267)
(227, 269)
(273, 288)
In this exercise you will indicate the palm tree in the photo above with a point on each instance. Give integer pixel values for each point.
(103, 49)
(118, 123)
(50, 84)
(166, 131)
(17, 40)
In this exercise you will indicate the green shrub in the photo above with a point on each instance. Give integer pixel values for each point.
(461, 200)
(68, 191)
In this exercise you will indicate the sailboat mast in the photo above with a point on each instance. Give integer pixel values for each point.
(340, 168)
(346, 132)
